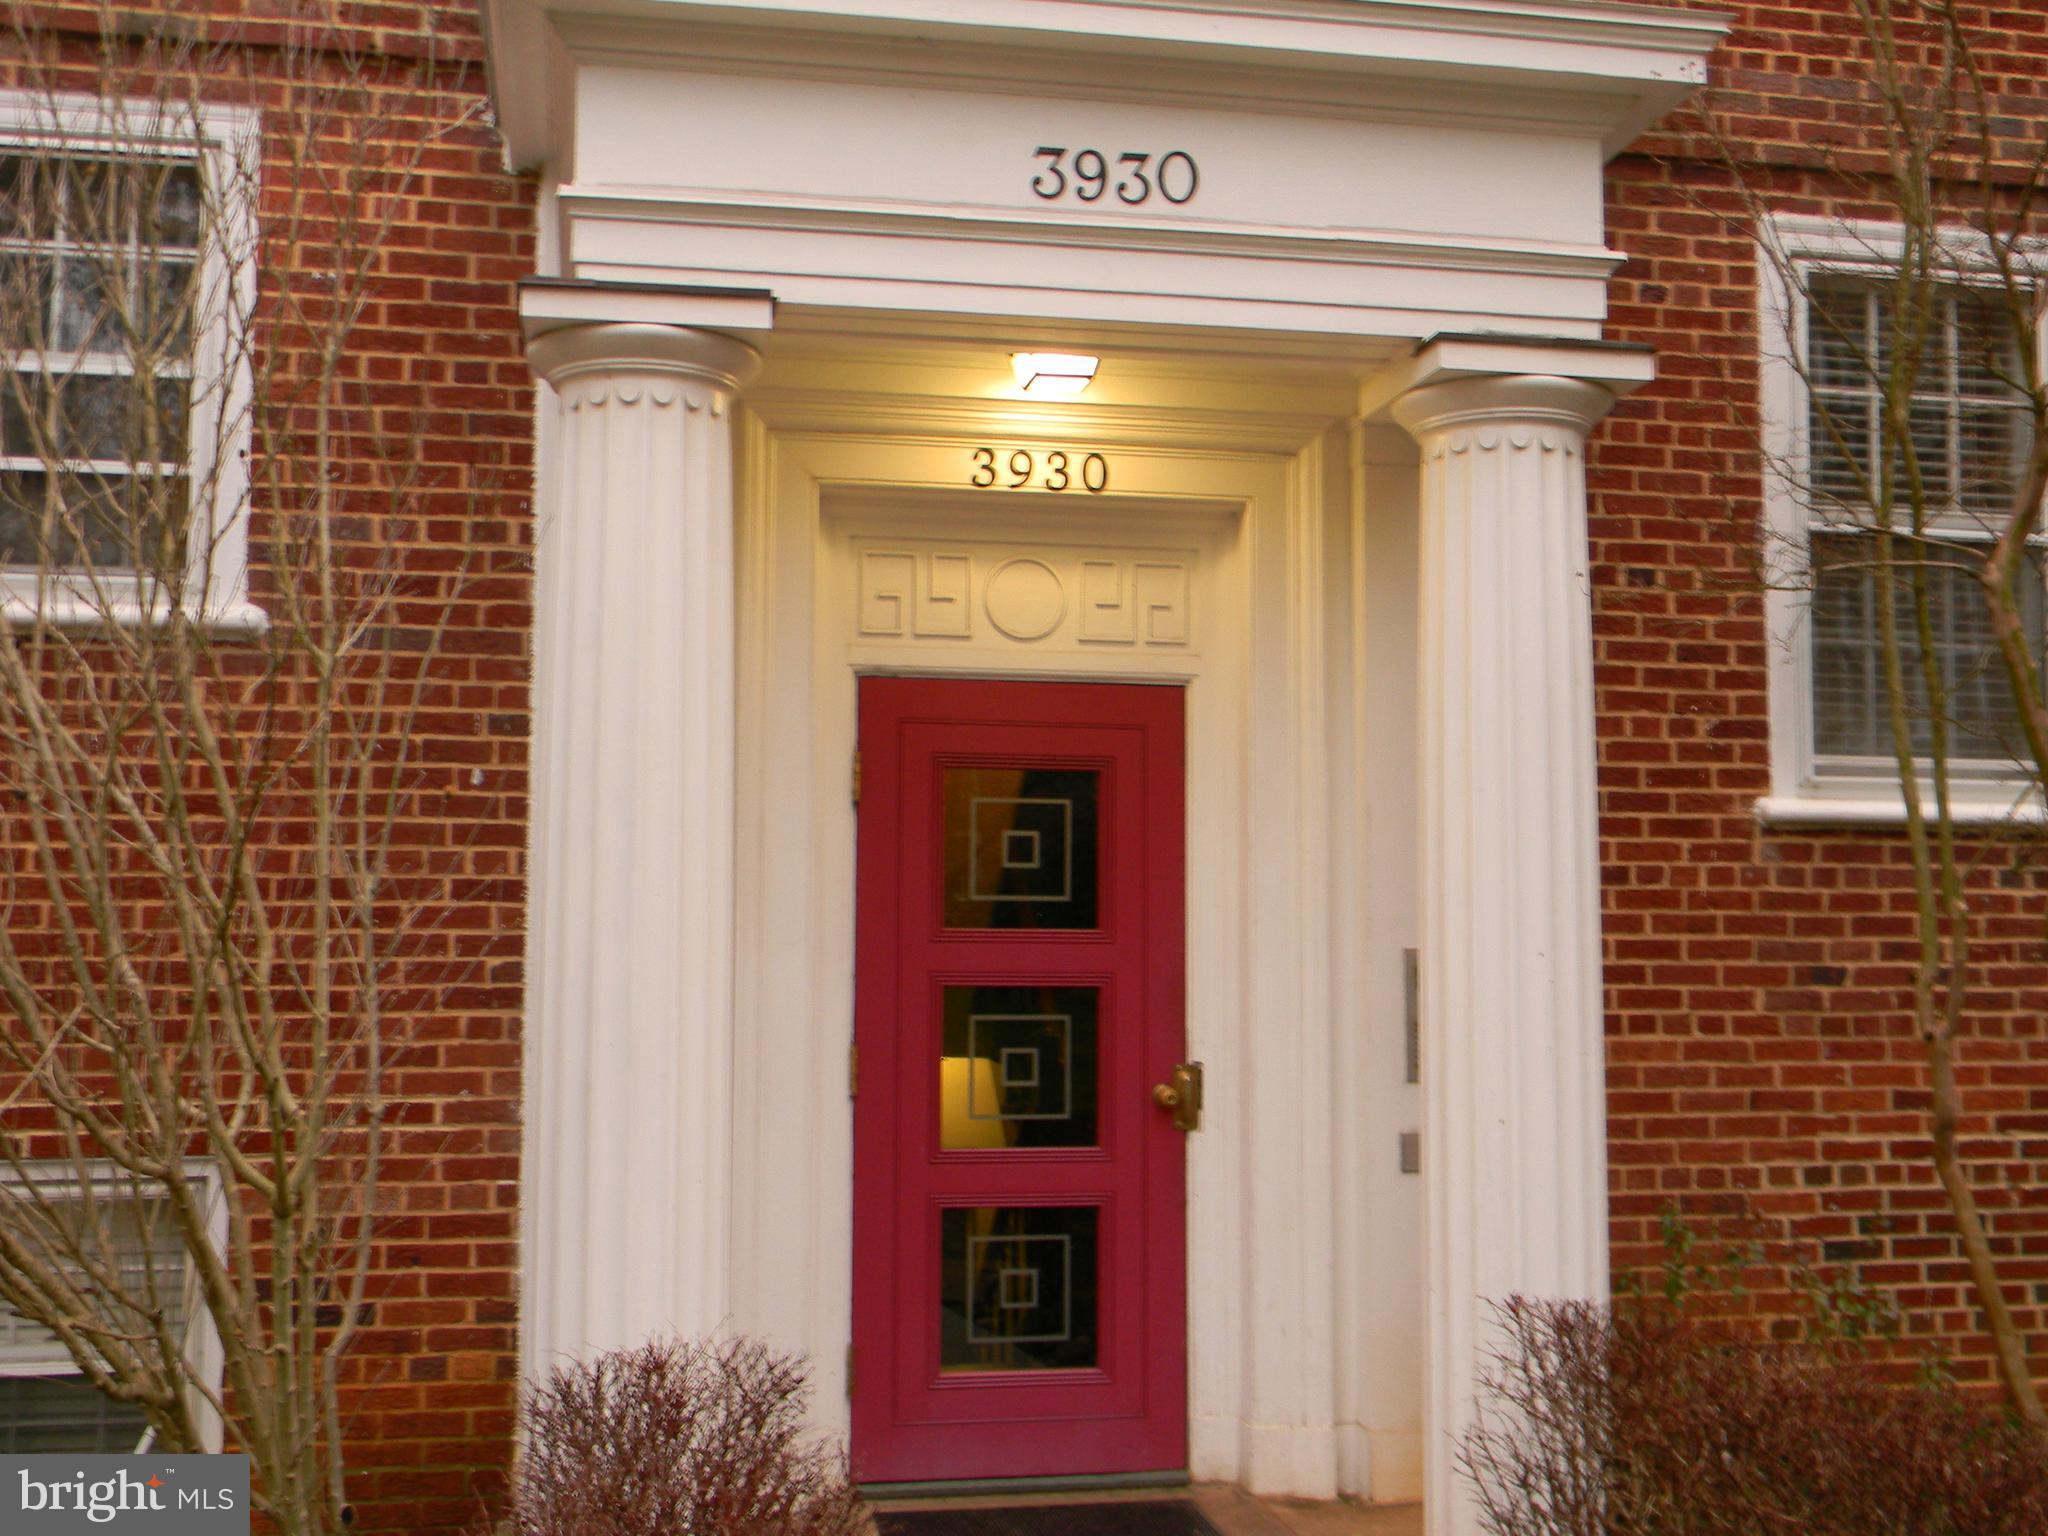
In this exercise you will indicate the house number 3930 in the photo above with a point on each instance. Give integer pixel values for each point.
(1056, 470)
(1134, 177)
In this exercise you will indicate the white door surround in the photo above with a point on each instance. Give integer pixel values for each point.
(1189, 577)
(1237, 554)
(1387, 649)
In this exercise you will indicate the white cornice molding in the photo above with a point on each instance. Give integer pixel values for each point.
(684, 206)
(1634, 42)
(1614, 67)
(1399, 89)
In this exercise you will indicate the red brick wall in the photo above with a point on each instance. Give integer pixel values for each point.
(435, 364)
(431, 1387)
(1760, 1051)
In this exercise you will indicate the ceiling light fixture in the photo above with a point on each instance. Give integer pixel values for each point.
(1053, 374)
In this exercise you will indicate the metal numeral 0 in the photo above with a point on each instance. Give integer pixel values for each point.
(1193, 179)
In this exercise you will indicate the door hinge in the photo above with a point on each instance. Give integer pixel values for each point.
(849, 1370)
(856, 775)
(853, 1071)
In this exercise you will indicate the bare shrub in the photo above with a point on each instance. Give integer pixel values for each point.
(678, 1438)
(1645, 1420)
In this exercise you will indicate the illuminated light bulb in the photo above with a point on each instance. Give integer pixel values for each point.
(1059, 375)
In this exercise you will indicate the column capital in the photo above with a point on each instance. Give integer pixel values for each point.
(640, 349)
(1508, 378)
(576, 327)
(1518, 400)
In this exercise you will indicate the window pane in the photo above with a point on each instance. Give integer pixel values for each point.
(1017, 1068)
(1020, 847)
(1996, 441)
(119, 418)
(1986, 345)
(174, 202)
(1931, 436)
(1968, 448)
(164, 297)
(22, 398)
(45, 1414)
(24, 513)
(114, 418)
(88, 306)
(99, 201)
(25, 286)
(96, 417)
(1850, 712)
(1838, 338)
(28, 196)
(135, 1238)
(85, 522)
(1017, 1288)
(1840, 431)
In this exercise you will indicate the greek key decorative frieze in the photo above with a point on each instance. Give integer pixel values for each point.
(914, 595)
(1135, 602)
(1032, 598)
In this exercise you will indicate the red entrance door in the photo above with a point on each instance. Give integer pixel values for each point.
(1019, 1279)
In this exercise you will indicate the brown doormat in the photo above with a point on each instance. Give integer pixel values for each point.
(1136, 1517)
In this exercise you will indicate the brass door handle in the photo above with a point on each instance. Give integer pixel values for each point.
(1182, 1094)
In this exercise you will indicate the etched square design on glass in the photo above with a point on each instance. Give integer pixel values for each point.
(1020, 1065)
(1017, 1068)
(1018, 1288)
(990, 820)
(1020, 847)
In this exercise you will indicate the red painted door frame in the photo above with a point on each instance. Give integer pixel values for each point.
(914, 1420)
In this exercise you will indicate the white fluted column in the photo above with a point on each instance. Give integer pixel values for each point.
(1514, 1129)
(627, 1166)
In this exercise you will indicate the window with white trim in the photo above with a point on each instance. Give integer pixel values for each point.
(1970, 436)
(121, 390)
(97, 260)
(46, 1403)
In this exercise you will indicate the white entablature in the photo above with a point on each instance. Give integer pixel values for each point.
(1320, 167)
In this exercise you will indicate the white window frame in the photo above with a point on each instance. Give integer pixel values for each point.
(225, 143)
(61, 1180)
(1802, 790)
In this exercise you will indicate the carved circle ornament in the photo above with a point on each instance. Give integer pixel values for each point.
(1025, 599)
